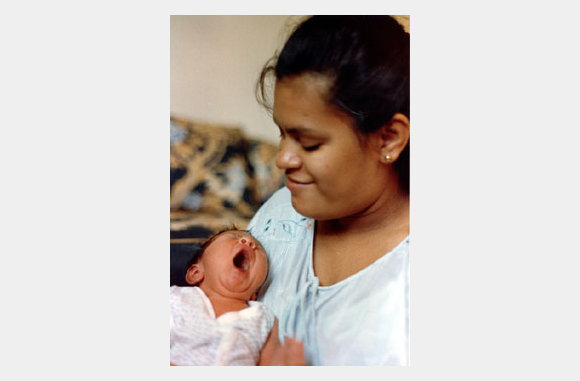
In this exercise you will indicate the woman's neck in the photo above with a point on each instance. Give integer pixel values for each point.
(389, 213)
(347, 245)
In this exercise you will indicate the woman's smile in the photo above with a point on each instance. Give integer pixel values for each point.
(295, 185)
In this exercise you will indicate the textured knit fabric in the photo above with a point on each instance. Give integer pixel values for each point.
(199, 338)
(361, 320)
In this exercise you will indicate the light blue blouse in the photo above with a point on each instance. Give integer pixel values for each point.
(361, 320)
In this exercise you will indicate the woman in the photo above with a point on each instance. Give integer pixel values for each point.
(337, 234)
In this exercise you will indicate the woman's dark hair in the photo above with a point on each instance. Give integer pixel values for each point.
(367, 59)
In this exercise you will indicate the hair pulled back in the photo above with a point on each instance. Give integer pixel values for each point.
(367, 60)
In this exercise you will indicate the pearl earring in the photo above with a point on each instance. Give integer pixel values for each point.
(388, 158)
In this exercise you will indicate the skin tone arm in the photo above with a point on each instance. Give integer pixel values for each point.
(291, 353)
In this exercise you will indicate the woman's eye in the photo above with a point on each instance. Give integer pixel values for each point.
(311, 148)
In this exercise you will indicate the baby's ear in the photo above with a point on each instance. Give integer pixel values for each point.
(194, 274)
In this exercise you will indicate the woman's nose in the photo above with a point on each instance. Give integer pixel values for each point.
(287, 158)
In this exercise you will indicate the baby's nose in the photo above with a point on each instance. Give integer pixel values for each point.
(248, 241)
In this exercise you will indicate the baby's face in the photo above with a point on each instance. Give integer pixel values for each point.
(234, 263)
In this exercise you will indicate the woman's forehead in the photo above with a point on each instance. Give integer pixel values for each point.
(311, 85)
(300, 104)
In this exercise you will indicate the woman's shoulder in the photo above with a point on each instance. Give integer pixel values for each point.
(278, 221)
(278, 206)
(280, 198)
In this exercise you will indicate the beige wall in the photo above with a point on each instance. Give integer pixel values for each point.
(215, 62)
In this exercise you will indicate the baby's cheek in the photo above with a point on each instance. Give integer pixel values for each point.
(234, 282)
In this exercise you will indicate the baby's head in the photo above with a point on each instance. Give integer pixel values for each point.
(231, 263)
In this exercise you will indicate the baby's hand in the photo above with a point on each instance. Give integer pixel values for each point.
(273, 353)
(291, 353)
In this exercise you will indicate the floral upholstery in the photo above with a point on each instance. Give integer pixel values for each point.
(219, 177)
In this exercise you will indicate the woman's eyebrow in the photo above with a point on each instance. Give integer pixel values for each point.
(301, 131)
(294, 129)
(298, 130)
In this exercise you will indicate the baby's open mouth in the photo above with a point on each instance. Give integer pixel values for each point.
(242, 260)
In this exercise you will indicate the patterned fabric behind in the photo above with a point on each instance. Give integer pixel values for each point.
(218, 177)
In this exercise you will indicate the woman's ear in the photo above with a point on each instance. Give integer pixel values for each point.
(394, 137)
(194, 274)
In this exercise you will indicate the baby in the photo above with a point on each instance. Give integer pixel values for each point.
(218, 321)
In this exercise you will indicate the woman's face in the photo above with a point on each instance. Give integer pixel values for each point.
(329, 171)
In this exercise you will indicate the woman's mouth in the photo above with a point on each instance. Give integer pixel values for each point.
(295, 184)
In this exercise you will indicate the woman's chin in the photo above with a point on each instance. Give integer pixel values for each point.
(311, 210)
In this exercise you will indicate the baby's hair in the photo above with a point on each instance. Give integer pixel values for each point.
(198, 254)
